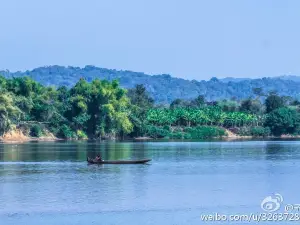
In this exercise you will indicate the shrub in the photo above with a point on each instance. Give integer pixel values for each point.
(202, 132)
(273, 102)
(54, 130)
(81, 134)
(36, 131)
(188, 129)
(177, 135)
(260, 131)
(187, 136)
(156, 132)
(267, 131)
(166, 127)
(66, 132)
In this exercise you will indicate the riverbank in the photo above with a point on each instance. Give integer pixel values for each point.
(18, 136)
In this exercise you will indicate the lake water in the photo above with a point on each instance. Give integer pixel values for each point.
(51, 183)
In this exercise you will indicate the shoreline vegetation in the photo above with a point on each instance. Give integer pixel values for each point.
(101, 109)
(17, 136)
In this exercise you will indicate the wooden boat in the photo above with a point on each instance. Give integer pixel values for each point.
(92, 161)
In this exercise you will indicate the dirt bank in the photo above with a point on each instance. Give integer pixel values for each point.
(143, 138)
(18, 136)
(232, 136)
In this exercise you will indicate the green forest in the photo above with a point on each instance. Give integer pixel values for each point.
(101, 109)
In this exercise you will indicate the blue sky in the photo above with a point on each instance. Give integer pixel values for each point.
(193, 39)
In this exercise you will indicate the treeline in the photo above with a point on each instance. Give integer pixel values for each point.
(276, 115)
(102, 109)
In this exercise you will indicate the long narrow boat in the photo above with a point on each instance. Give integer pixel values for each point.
(91, 161)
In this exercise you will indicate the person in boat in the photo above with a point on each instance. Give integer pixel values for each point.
(98, 158)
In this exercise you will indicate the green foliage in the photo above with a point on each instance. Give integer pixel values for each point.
(260, 131)
(228, 106)
(187, 136)
(206, 132)
(283, 121)
(9, 113)
(199, 132)
(66, 132)
(98, 107)
(81, 120)
(176, 135)
(255, 131)
(273, 102)
(81, 134)
(101, 108)
(179, 103)
(36, 131)
(251, 106)
(141, 102)
(210, 115)
(140, 97)
(166, 127)
(93, 108)
(156, 132)
(198, 102)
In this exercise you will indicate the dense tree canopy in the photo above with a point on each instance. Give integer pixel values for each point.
(252, 106)
(9, 113)
(283, 121)
(273, 102)
(102, 109)
(94, 109)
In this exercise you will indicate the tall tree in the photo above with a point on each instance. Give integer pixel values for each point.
(9, 113)
(140, 97)
(141, 103)
(179, 103)
(252, 106)
(198, 102)
(273, 102)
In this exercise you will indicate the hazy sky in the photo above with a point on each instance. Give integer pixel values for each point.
(193, 39)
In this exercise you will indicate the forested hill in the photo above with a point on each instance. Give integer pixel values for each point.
(164, 88)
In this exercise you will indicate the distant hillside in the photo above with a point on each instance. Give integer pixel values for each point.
(164, 88)
(233, 79)
(284, 77)
(290, 77)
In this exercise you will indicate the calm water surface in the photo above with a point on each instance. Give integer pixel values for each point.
(50, 183)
